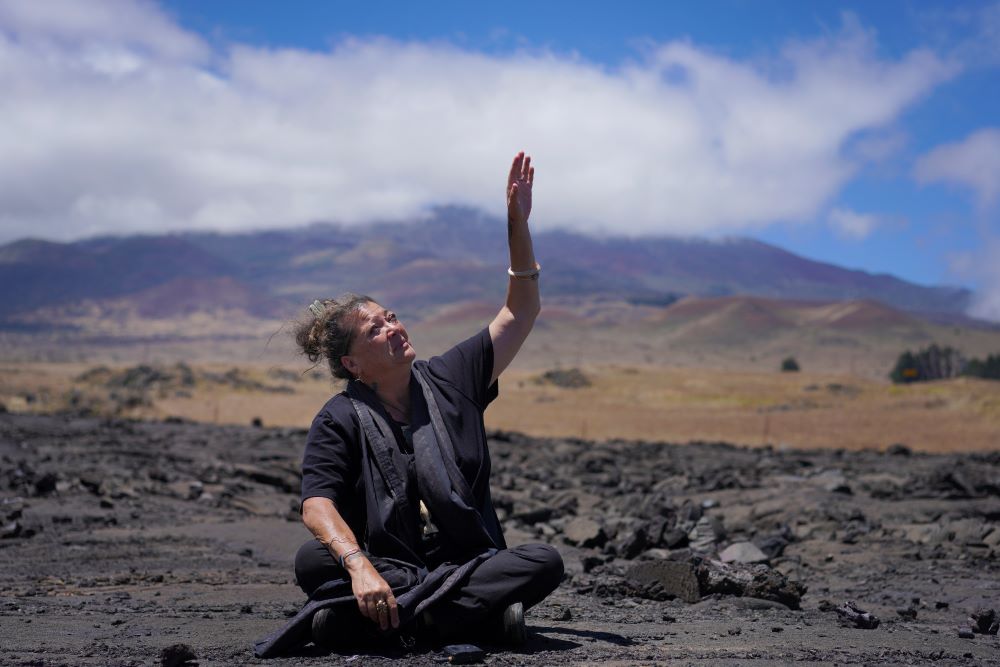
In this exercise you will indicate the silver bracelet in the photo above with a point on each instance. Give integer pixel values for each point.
(530, 273)
(349, 555)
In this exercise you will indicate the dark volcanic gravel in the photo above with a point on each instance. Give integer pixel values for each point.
(135, 543)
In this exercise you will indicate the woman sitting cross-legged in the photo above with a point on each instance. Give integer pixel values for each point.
(395, 477)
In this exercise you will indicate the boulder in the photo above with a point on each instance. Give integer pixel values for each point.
(985, 621)
(585, 533)
(742, 552)
(286, 479)
(634, 544)
(674, 538)
(757, 580)
(706, 534)
(672, 578)
(851, 615)
(178, 655)
(833, 481)
(968, 531)
(186, 490)
(533, 516)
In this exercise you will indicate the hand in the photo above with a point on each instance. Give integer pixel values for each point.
(519, 182)
(369, 589)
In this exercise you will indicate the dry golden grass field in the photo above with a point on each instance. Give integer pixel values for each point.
(629, 402)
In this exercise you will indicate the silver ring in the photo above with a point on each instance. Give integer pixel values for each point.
(382, 607)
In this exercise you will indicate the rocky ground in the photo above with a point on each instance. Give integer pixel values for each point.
(122, 539)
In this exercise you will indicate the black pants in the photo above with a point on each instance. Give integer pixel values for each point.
(526, 574)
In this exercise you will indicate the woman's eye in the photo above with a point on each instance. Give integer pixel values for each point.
(392, 317)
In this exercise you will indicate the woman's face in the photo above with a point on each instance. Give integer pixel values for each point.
(380, 343)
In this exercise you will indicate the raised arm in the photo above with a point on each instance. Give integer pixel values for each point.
(513, 323)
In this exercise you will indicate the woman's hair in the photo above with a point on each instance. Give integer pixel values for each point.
(329, 333)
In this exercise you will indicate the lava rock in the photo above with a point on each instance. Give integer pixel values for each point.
(833, 481)
(851, 615)
(757, 581)
(288, 481)
(674, 538)
(774, 545)
(985, 622)
(742, 552)
(11, 530)
(177, 655)
(185, 490)
(590, 562)
(46, 484)
(673, 578)
(634, 544)
(534, 516)
(585, 533)
(706, 534)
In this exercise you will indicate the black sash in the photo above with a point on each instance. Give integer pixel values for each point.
(442, 486)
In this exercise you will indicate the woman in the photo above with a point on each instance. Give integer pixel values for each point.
(395, 484)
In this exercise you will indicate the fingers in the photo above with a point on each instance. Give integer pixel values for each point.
(370, 609)
(515, 168)
(387, 612)
(383, 615)
(393, 611)
(531, 176)
(367, 608)
(381, 609)
(525, 167)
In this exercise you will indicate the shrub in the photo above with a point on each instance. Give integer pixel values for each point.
(570, 378)
(789, 365)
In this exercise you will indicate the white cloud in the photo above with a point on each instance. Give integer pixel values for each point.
(982, 267)
(969, 32)
(973, 162)
(113, 118)
(851, 224)
(878, 147)
(101, 30)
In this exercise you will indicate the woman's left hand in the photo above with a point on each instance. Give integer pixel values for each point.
(519, 182)
(375, 599)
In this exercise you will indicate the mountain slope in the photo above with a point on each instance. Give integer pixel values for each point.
(453, 255)
(35, 274)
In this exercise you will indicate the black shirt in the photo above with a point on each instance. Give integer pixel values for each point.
(460, 381)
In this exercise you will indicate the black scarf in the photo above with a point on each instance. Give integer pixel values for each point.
(392, 523)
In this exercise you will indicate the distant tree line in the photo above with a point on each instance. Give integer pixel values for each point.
(988, 368)
(939, 363)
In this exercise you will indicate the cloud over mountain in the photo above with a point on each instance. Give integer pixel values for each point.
(117, 119)
(973, 163)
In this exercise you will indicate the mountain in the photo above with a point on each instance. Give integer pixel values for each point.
(35, 274)
(454, 255)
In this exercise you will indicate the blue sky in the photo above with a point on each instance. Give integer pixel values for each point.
(861, 133)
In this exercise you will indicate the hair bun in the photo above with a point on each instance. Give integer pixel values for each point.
(328, 333)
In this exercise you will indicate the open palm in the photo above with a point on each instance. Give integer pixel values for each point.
(519, 183)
